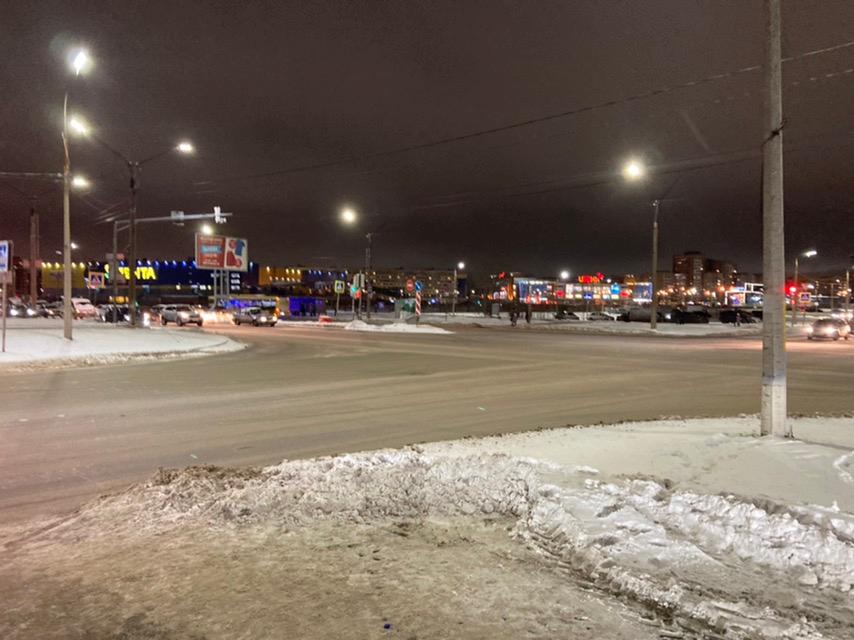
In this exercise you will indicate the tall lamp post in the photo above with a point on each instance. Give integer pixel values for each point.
(350, 217)
(80, 63)
(460, 266)
(633, 171)
(796, 301)
(134, 168)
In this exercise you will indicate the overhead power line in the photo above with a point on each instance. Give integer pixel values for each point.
(524, 123)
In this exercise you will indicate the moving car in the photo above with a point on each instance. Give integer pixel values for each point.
(684, 316)
(180, 314)
(598, 316)
(828, 328)
(255, 316)
(730, 316)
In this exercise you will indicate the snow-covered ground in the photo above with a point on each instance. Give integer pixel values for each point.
(712, 329)
(667, 529)
(393, 327)
(41, 342)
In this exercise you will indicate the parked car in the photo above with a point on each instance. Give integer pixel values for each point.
(180, 314)
(682, 316)
(83, 308)
(255, 316)
(828, 328)
(598, 316)
(563, 314)
(733, 316)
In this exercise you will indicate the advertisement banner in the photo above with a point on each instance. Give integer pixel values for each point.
(236, 254)
(5, 257)
(210, 251)
(221, 252)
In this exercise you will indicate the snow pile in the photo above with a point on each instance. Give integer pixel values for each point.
(668, 550)
(394, 327)
(43, 341)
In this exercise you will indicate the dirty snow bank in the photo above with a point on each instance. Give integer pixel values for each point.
(42, 342)
(394, 327)
(703, 559)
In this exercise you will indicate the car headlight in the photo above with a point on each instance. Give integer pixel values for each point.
(31, 312)
(828, 330)
(13, 312)
(263, 318)
(184, 315)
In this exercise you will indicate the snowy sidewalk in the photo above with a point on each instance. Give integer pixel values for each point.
(666, 529)
(40, 342)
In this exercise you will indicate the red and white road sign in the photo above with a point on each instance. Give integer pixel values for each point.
(418, 303)
(410, 285)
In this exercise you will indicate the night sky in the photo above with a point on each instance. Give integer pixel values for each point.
(298, 108)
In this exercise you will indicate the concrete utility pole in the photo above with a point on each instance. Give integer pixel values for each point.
(773, 413)
(370, 284)
(653, 309)
(34, 253)
(67, 308)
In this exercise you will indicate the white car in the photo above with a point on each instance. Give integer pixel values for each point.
(255, 316)
(83, 308)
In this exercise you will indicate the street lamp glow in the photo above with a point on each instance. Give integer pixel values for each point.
(810, 254)
(185, 147)
(74, 245)
(348, 216)
(79, 182)
(633, 170)
(207, 229)
(461, 265)
(78, 126)
(81, 62)
(564, 275)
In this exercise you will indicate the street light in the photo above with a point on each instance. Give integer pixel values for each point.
(810, 253)
(80, 62)
(79, 182)
(460, 266)
(207, 229)
(348, 215)
(633, 171)
(134, 166)
(564, 275)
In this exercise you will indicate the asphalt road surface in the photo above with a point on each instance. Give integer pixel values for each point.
(67, 435)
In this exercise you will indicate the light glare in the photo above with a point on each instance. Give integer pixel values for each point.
(78, 126)
(633, 170)
(461, 265)
(80, 61)
(185, 147)
(207, 229)
(348, 216)
(564, 275)
(79, 182)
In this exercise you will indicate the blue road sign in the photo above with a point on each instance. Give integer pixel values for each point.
(418, 285)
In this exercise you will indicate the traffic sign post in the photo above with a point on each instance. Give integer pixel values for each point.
(6, 248)
(417, 305)
(339, 289)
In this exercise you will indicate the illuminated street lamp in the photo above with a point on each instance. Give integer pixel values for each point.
(460, 266)
(796, 297)
(348, 215)
(134, 166)
(80, 62)
(564, 275)
(634, 171)
(207, 229)
(81, 183)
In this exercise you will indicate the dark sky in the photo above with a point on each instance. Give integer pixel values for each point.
(266, 87)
